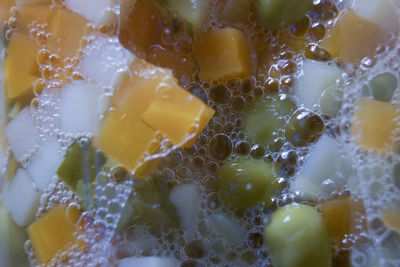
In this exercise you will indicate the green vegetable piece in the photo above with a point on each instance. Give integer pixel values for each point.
(264, 118)
(383, 86)
(193, 12)
(304, 128)
(297, 237)
(149, 205)
(12, 241)
(331, 101)
(82, 162)
(244, 182)
(276, 14)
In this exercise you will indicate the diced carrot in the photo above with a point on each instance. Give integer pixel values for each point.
(353, 38)
(39, 12)
(20, 68)
(67, 29)
(373, 124)
(178, 114)
(126, 140)
(54, 232)
(344, 219)
(223, 54)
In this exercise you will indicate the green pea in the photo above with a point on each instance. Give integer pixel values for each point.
(297, 237)
(304, 128)
(331, 101)
(149, 205)
(383, 86)
(275, 14)
(264, 119)
(244, 182)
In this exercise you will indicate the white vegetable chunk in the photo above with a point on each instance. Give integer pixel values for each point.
(323, 165)
(186, 199)
(79, 109)
(227, 228)
(96, 11)
(21, 134)
(21, 199)
(148, 262)
(317, 76)
(44, 164)
(379, 12)
(104, 61)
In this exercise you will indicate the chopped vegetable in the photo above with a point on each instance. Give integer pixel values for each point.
(352, 37)
(223, 54)
(12, 240)
(104, 61)
(54, 232)
(20, 69)
(380, 12)
(67, 29)
(81, 163)
(244, 183)
(186, 199)
(331, 101)
(264, 118)
(21, 134)
(179, 115)
(373, 124)
(135, 139)
(38, 11)
(275, 14)
(321, 165)
(234, 11)
(145, 28)
(151, 261)
(97, 11)
(383, 86)
(149, 205)
(21, 199)
(391, 218)
(344, 218)
(317, 76)
(297, 237)
(227, 227)
(194, 12)
(44, 164)
(79, 107)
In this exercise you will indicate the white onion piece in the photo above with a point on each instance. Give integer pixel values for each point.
(96, 11)
(21, 134)
(79, 109)
(21, 199)
(105, 60)
(44, 164)
(186, 199)
(317, 76)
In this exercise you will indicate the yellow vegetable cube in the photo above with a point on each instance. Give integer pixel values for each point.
(20, 69)
(391, 218)
(126, 140)
(353, 38)
(223, 54)
(67, 29)
(137, 91)
(373, 124)
(53, 232)
(178, 114)
(5, 6)
(39, 12)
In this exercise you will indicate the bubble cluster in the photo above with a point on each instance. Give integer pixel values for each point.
(373, 178)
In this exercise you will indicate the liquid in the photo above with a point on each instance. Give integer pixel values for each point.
(277, 59)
